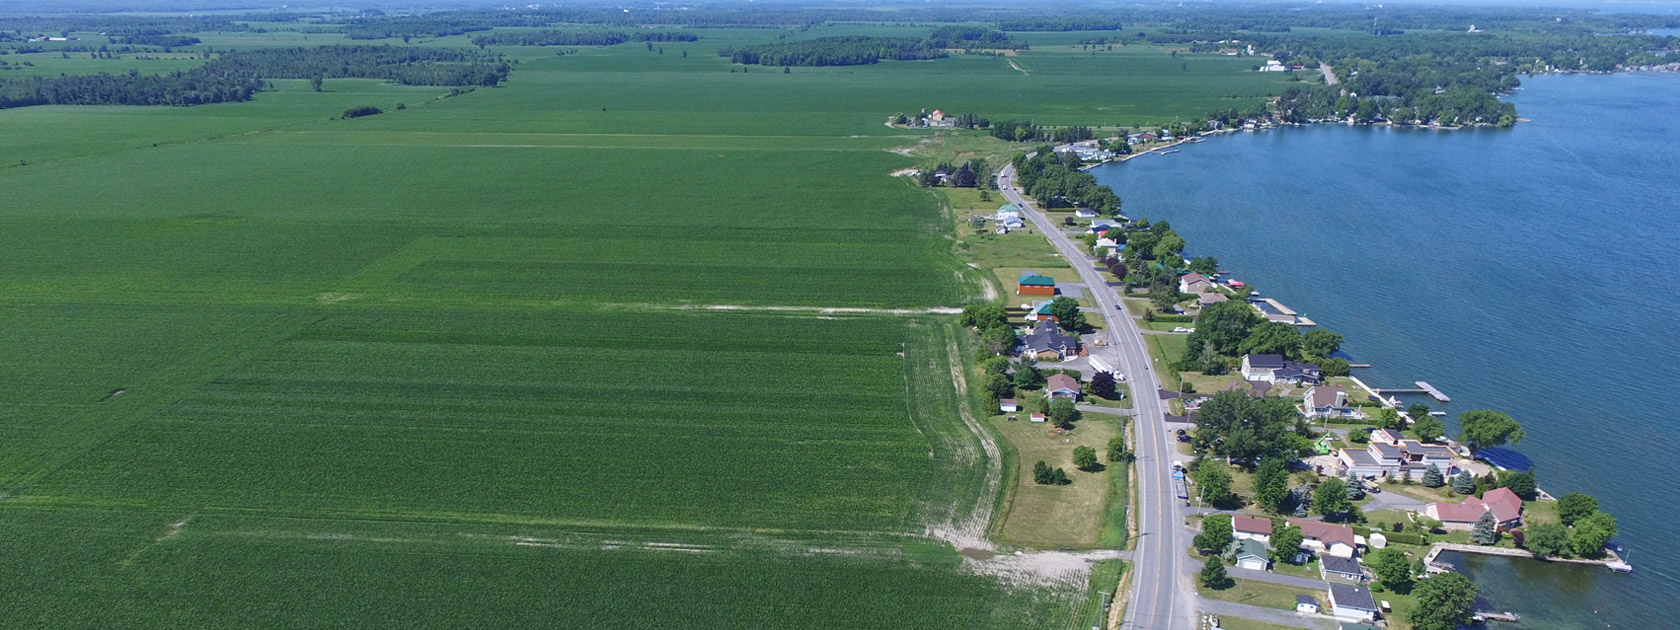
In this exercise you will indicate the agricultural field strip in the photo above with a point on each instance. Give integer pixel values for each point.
(576, 140)
(484, 400)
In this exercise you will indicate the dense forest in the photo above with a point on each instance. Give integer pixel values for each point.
(573, 38)
(237, 76)
(848, 50)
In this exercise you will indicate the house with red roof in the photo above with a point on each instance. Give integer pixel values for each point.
(1505, 505)
(1330, 538)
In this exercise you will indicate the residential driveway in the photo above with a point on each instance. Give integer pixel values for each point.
(1393, 500)
(1238, 573)
(1269, 615)
(1108, 410)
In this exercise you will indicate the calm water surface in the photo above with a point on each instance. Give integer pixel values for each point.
(1531, 270)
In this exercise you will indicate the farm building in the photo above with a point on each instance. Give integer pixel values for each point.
(1035, 284)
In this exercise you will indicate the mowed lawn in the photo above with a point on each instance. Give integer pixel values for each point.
(469, 363)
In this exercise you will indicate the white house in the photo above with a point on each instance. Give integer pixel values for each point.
(1352, 603)
(1085, 213)
(1008, 405)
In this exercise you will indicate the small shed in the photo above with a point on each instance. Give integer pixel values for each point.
(1009, 405)
(1306, 604)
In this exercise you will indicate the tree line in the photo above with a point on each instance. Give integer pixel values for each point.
(233, 77)
(972, 37)
(574, 38)
(845, 50)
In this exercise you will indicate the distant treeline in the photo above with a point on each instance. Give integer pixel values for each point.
(165, 41)
(402, 64)
(573, 38)
(193, 87)
(849, 50)
(1026, 131)
(237, 76)
(1087, 23)
(119, 25)
(970, 37)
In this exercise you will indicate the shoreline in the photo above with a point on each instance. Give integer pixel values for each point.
(1613, 558)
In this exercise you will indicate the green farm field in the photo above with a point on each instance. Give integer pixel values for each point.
(553, 353)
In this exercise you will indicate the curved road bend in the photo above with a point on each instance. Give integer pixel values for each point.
(1162, 597)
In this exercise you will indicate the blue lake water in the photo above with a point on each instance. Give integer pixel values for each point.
(1531, 270)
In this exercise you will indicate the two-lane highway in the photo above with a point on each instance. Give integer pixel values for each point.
(1161, 597)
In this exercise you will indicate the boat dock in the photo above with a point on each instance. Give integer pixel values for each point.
(1422, 388)
(1509, 617)
(1613, 560)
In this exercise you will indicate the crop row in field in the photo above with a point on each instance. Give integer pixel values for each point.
(209, 570)
(743, 421)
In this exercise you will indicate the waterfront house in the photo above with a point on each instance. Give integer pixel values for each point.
(1345, 568)
(1032, 283)
(1306, 604)
(1505, 505)
(1352, 603)
(1102, 226)
(1249, 554)
(1194, 283)
(1061, 386)
(1008, 405)
(1085, 213)
(1251, 527)
(1273, 368)
(1396, 458)
(1326, 538)
(1047, 343)
(1210, 298)
(1322, 401)
(1387, 436)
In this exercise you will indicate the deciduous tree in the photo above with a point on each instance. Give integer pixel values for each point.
(1271, 485)
(1444, 602)
(1213, 483)
(1103, 386)
(1085, 458)
(1320, 343)
(1484, 428)
(1067, 314)
(1330, 497)
(1215, 534)
(1575, 506)
(1546, 539)
(1395, 571)
(1286, 543)
(1590, 534)
(1213, 575)
(1429, 428)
